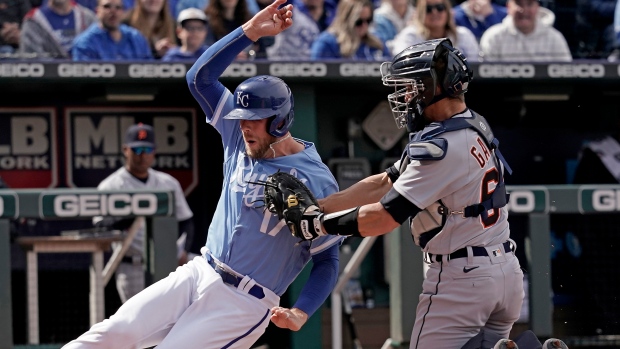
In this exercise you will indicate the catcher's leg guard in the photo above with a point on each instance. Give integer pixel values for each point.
(483, 340)
(528, 340)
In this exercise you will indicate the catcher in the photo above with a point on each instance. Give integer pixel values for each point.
(450, 183)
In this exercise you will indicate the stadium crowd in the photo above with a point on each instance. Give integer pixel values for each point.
(371, 30)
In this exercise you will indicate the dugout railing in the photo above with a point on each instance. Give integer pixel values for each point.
(156, 206)
(537, 202)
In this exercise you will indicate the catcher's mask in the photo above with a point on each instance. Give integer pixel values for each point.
(263, 97)
(415, 74)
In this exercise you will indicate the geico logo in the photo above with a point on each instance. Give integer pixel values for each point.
(360, 69)
(507, 71)
(522, 201)
(298, 69)
(576, 70)
(105, 205)
(606, 200)
(92, 70)
(157, 70)
(22, 70)
(240, 70)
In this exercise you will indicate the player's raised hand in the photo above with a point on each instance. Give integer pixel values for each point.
(293, 318)
(269, 21)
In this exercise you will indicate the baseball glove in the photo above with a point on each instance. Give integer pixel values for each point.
(291, 200)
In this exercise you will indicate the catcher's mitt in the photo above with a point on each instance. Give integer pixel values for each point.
(291, 200)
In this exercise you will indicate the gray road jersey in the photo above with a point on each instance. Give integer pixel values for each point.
(467, 175)
(122, 179)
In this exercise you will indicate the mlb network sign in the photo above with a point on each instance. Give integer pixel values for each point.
(90, 204)
(95, 136)
(28, 157)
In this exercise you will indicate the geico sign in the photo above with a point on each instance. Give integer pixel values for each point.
(522, 201)
(507, 70)
(606, 200)
(157, 70)
(360, 69)
(92, 70)
(298, 69)
(22, 70)
(105, 205)
(576, 70)
(238, 70)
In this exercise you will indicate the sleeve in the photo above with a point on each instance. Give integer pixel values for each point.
(143, 47)
(486, 46)
(560, 47)
(187, 227)
(470, 44)
(28, 40)
(202, 77)
(322, 47)
(83, 50)
(321, 282)
(182, 209)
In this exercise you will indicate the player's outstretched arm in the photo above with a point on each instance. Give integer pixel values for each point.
(270, 21)
(369, 190)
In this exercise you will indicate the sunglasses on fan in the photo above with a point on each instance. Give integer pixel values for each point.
(438, 7)
(361, 21)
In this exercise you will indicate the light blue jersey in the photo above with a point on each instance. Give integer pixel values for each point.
(241, 223)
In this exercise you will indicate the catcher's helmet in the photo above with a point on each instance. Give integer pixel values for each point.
(263, 97)
(417, 71)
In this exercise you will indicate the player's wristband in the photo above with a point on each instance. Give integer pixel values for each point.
(342, 222)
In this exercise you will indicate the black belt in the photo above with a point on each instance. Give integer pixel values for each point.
(132, 260)
(234, 280)
(477, 251)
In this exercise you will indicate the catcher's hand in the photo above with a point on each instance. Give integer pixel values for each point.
(291, 200)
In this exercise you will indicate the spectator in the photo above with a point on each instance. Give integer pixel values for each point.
(152, 18)
(479, 15)
(526, 34)
(109, 39)
(181, 5)
(139, 151)
(224, 17)
(434, 20)
(348, 36)
(295, 42)
(321, 11)
(172, 6)
(192, 32)
(392, 17)
(12, 13)
(594, 28)
(48, 31)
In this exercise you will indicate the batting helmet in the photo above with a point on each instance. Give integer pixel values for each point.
(263, 97)
(417, 71)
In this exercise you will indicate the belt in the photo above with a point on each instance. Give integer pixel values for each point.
(477, 251)
(132, 259)
(234, 280)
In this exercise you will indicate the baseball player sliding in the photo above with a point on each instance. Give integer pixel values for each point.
(450, 182)
(226, 297)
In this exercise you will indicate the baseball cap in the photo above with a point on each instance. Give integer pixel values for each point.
(140, 135)
(191, 13)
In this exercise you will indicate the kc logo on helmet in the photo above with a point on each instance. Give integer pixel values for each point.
(242, 99)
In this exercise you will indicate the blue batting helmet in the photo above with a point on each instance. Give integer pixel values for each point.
(263, 97)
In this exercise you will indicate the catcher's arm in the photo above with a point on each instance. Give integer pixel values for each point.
(368, 220)
(366, 191)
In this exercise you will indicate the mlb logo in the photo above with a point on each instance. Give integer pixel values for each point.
(497, 253)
